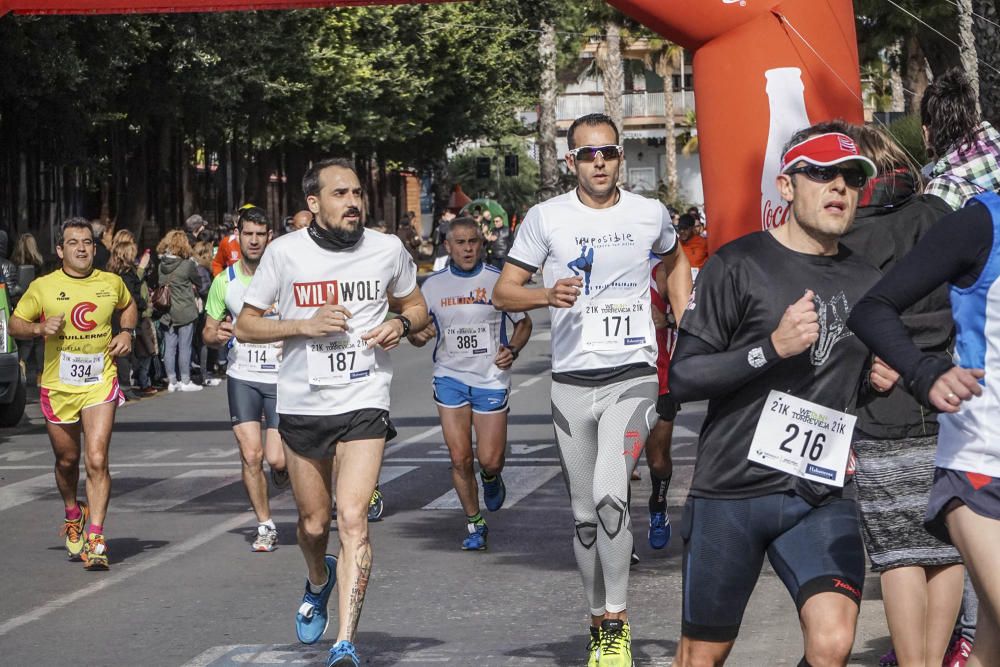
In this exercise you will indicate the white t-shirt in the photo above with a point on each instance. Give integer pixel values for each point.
(335, 374)
(610, 324)
(470, 330)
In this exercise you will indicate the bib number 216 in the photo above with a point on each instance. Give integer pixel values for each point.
(812, 442)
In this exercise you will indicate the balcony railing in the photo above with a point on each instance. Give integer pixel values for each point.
(634, 105)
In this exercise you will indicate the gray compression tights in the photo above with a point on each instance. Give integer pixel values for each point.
(600, 432)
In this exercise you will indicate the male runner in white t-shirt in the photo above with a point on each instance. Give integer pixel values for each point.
(472, 358)
(334, 283)
(594, 243)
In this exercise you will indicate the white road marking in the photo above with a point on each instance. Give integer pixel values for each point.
(520, 481)
(26, 490)
(396, 446)
(389, 473)
(125, 571)
(174, 491)
(20, 455)
(211, 655)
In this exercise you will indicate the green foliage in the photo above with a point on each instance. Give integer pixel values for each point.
(908, 133)
(515, 193)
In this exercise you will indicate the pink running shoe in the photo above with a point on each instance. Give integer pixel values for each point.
(958, 653)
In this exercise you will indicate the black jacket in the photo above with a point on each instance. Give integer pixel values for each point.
(883, 234)
(9, 271)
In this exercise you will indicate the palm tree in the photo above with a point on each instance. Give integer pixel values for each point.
(612, 67)
(548, 161)
(690, 136)
(666, 59)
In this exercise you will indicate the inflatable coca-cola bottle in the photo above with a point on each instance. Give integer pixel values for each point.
(787, 102)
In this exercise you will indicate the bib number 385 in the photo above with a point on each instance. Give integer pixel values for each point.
(802, 438)
(339, 360)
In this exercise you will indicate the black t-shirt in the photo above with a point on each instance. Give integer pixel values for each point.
(725, 355)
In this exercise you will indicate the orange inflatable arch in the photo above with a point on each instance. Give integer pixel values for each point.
(765, 68)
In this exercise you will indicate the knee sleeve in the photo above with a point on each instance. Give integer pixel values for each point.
(586, 534)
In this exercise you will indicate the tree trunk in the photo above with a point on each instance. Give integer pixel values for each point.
(915, 74)
(665, 69)
(967, 44)
(988, 47)
(612, 73)
(548, 160)
(613, 79)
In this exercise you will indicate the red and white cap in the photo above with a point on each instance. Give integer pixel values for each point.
(826, 150)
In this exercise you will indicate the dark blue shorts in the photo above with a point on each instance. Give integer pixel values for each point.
(980, 493)
(812, 549)
(249, 401)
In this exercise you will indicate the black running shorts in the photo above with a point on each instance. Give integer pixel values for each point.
(316, 436)
(248, 401)
(812, 549)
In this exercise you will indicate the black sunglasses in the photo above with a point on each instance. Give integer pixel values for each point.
(854, 178)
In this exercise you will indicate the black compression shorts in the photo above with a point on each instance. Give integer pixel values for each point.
(812, 549)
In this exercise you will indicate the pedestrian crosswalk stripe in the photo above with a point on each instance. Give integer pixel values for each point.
(174, 491)
(390, 473)
(520, 481)
(33, 488)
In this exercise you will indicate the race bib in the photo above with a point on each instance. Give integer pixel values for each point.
(472, 340)
(339, 360)
(803, 439)
(80, 369)
(609, 324)
(259, 357)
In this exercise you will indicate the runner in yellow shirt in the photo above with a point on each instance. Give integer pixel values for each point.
(72, 308)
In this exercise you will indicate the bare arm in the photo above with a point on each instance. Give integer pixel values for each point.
(388, 334)
(24, 330)
(253, 327)
(121, 344)
(508, 353)
(511, 295)
(676, 282)
(216, 333)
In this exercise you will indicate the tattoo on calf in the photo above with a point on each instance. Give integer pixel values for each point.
(363, 558)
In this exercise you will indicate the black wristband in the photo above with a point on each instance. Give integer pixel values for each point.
(513, 350)
(406, 325)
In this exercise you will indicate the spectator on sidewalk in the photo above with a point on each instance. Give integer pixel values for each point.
(180, 272)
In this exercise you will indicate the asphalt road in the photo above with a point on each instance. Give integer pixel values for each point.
(184, 588)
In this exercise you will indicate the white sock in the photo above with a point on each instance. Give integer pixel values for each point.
(269, 523)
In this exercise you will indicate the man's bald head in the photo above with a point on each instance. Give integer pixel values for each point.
(301, 219)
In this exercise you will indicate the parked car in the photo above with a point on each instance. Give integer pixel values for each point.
(12, 396)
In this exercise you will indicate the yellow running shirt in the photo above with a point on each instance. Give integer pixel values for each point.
(76, 358)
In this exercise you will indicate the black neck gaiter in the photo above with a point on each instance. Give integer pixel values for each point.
(335, 239)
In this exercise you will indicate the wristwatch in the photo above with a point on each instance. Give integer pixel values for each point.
(130, 331)
(406, 325)
(513, 350)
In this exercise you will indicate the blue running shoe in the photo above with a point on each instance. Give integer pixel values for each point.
(312, 617)
(343, 654)
(494, 492)
(376, 506)
(659, 530)
(476, 541)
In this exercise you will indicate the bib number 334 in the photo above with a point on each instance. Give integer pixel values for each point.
(802, 438)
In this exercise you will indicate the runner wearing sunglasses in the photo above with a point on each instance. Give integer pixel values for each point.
(765, 341)
(594, 243)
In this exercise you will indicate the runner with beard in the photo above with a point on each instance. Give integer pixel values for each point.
(764, 340)
(334, 283)
(253, 374)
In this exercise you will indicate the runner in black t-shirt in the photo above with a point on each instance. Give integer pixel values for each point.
(768, 315)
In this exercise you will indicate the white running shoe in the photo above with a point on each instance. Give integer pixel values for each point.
(189, 386)
(212, 382)
(173, 386)
(267, 539)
